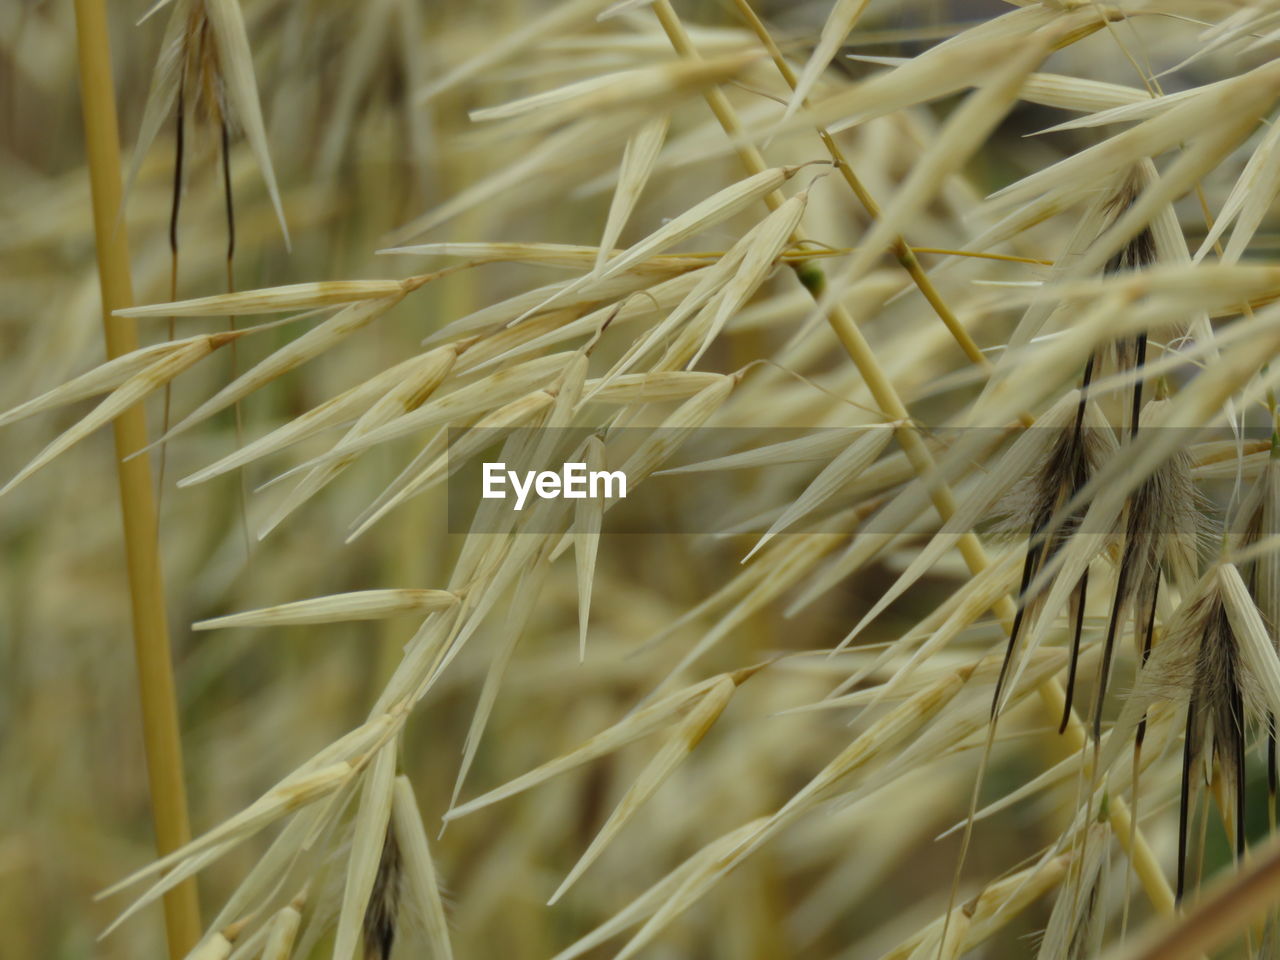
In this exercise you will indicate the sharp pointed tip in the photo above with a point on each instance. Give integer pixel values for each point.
(279, 207)
(160, 441)
(270, 526)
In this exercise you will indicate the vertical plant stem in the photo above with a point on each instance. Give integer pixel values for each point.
(1074, 739)
(137, 501)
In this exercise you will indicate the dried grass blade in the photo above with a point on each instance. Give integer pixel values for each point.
(488, 393)
(241, 90)
(419, 870)
(398, 390)
(588, 518)
(367, 842)
(294, 296)
(101, 379)
(638, 160)
(295, 791)
(133, 390)
(625, 89)
(837, 26)
(768, 242)
(337, 608)
(525, 409)
(846, 466)
(416, 381)
(556, 20)
(306, 347)
(282, 932)
(161, 94)
(652, 899)
(1248, 200)
(965, 130)
(707, 213)
(631, 728)
(682, 742)
(1254, 639)
(522, 606)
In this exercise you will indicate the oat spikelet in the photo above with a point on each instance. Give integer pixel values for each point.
(1078, 921)
(1162, 529)
(1077, 450)
(1202, 661)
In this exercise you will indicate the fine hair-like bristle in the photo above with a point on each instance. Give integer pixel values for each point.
(381, 916)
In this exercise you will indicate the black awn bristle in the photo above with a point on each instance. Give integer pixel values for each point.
(381, 915)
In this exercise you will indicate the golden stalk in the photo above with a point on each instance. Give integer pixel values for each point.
(137, 501)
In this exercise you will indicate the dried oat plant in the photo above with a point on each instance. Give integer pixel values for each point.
(936, 343)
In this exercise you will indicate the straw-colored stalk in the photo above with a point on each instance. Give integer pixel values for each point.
(137, 502)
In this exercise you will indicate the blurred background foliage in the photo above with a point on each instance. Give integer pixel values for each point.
(357, 156)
